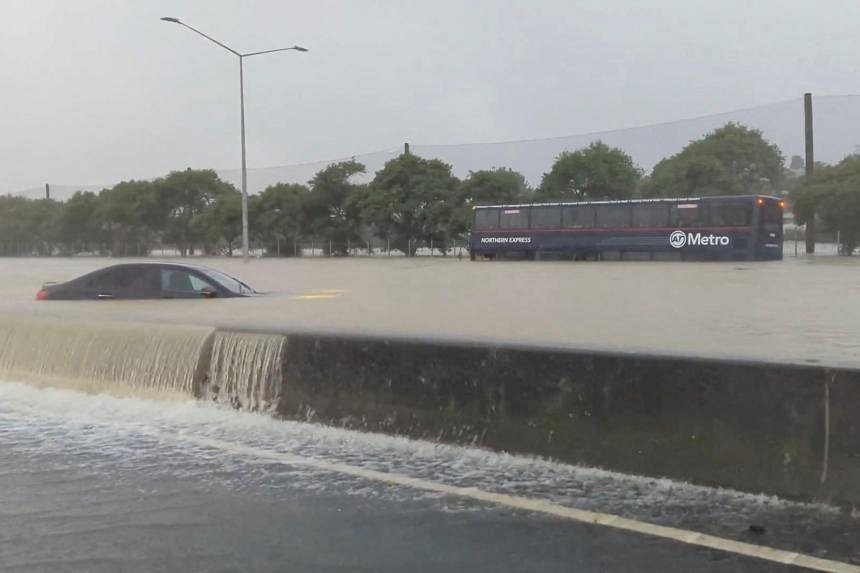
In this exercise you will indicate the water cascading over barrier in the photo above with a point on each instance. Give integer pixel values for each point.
(139, 359)
(246, 371)
(783, 429)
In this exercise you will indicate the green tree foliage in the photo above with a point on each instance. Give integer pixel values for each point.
(596, 172)
(28, 227)
(78, 228)
(332, 208)
(488, 187)
(410, 199)
(219, 223)
(125, 213)
(182, 197)
(278, 217)
(732, 160)
(833, 194)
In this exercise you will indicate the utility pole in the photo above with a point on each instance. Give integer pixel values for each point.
(810, 163)
(47, 190)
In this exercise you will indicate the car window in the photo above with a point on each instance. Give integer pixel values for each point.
(177, 281)
(227, 281)
(147, 283)
(109, 280)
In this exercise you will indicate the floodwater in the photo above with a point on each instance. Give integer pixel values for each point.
(101, 483)
(798, 310)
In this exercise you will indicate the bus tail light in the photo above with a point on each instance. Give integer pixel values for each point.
(782, 204)
(760, 201)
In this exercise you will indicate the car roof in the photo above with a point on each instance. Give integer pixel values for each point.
(161, 264)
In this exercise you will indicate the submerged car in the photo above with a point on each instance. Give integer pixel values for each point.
(147, 280)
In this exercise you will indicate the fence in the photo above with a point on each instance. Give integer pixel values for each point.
(371, 248)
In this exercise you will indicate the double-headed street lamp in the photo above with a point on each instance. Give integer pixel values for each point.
(242, 105)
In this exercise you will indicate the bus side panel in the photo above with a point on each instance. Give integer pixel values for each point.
(698, 243)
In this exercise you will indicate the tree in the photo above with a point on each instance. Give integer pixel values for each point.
(833, 194)
(278, 216)
(28, 226)
(125, 214)
(332, 207)
(596, 172)
(182, 196)
(410, 199)
(732, 160)
(488, 187)
(220, 222)
(78, 227)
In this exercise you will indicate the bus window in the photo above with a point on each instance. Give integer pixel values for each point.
(546, 217)
(687, 215)
(514, 218)
(730, 214)
(613, 216)
(577, 216)
(650, 215)
(486, 218)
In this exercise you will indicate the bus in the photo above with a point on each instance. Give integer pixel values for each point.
(739, 227)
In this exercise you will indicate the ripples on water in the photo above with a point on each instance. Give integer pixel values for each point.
(131, 436)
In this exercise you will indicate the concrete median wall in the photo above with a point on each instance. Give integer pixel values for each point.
(787, 430)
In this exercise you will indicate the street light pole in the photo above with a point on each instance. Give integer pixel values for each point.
(244, 165)
(242, 109)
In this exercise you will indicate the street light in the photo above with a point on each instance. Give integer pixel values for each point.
(242, 105)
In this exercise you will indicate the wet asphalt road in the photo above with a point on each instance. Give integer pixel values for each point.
(101, 484)
(96, 523)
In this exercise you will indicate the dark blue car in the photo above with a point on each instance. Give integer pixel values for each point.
(146, 281)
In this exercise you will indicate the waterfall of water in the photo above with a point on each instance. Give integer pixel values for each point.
(246, 370)
(105, 356)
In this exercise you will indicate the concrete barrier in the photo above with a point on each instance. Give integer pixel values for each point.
(783, 429)
(787, 430)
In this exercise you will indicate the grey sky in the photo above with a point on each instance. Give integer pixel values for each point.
(97, 91)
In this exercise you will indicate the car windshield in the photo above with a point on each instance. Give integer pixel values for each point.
(228, 282)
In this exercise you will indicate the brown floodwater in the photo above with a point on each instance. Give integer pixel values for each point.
(798, 310)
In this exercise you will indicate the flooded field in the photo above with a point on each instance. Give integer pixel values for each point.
(797, 310)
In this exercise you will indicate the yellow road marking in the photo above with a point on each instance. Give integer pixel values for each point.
(539, 506)
(323, 293)
(316, 296)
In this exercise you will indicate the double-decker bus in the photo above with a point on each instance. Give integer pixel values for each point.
(747, 227)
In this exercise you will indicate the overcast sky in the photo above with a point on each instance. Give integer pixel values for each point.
(97, 91)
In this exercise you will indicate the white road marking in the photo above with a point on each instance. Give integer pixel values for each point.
(534, 505)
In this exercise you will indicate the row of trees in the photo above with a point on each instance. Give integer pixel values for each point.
(411, 199)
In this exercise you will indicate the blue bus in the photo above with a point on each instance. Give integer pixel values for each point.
(745, 227)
